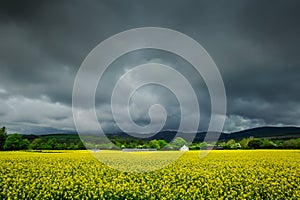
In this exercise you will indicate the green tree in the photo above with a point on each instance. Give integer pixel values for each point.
(14, 142)
(118, 144)
(245, 141)
(154, 144)
(162, 143)
(58, 146)
(36, 144)
(231, 144)
(3, 135)
(292, 144)
(25, 144)
(205, 145)
(45, 146)
(195, 146)
(268, 144)
(52, 142)
(80, 145)
(178, 142)
(71, 146)
(65, 146)
(256, 143)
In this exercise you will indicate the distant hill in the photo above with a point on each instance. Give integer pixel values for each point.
(268, 132)
(282, 133)
(260, 132)
(168, 136)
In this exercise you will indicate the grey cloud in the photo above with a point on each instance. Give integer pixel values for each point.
(254, 44)
(19, 112)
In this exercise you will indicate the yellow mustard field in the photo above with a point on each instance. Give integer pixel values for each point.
(225, 174)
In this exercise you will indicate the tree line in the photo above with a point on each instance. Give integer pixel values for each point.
(17, 142)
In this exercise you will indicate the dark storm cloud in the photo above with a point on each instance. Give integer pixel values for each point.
(14, 10)
(255, 44)
(274, 28)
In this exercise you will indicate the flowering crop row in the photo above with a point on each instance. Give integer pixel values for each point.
(252, 174)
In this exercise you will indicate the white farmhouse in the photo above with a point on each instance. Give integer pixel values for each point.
(184, 148)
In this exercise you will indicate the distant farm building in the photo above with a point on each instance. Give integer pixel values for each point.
(184, 148)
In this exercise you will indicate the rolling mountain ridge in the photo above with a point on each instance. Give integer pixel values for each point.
(272, 133)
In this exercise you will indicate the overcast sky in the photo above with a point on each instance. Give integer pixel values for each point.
(255, 45)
